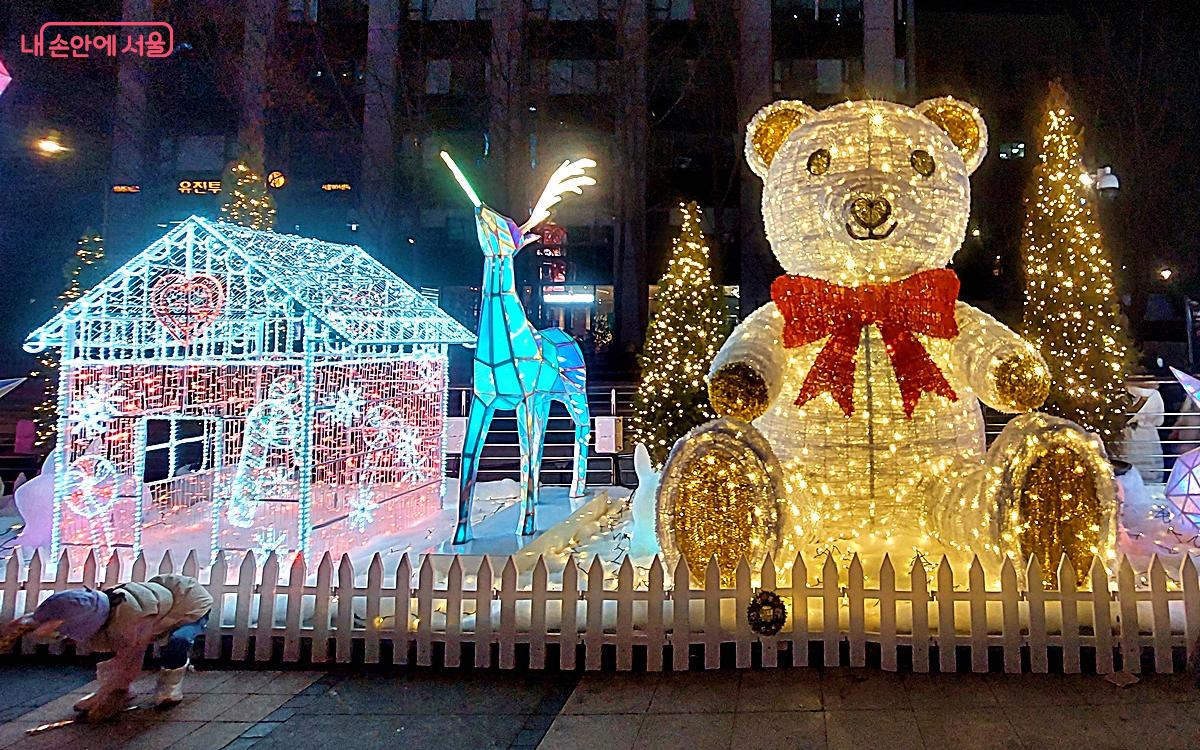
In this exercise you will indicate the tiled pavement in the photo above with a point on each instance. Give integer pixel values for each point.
(295, 710)
(869, 709)
(358, 709)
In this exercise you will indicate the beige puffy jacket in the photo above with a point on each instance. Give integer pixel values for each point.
(150, 611)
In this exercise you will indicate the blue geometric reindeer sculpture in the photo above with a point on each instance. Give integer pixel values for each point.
(517, 366)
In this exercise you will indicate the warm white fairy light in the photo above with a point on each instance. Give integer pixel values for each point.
(876, 472)
(1071, 309)
(249, 203)
(682, 340)
(866, 197)
(89, 251)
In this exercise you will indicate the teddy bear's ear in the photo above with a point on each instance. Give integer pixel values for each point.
(963, 123)
(769, 128)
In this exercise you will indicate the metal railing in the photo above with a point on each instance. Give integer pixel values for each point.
(501, 453)
(1178, 433)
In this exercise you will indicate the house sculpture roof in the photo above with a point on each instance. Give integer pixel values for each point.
(341, 285)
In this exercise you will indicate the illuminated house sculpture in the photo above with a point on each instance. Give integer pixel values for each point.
(517, 366)
(1183, 485)
(248, 390)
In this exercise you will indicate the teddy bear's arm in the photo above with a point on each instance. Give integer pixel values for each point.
(745, 374)
(1006, 372)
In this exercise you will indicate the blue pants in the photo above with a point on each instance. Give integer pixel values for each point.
(179, 644)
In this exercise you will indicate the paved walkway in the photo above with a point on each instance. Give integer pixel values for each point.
(870, 709)
(790, 708)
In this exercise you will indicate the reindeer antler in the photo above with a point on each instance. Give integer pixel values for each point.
(570, 177)
(462, 179)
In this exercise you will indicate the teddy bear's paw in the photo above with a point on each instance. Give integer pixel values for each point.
(738, 390)
(721, 495)
(1060, 511)
(1022, 382)
(1054, 488)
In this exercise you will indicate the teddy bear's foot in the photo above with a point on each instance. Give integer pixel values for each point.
(1055, 492)
(953, 514)
(721, 494)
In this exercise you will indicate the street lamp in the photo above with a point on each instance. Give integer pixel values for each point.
(1165, 274)
(1106, 183)
(50, 145)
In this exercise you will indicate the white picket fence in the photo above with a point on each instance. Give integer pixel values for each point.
(342, 615)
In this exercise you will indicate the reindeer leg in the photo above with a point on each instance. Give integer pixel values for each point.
(540, 409)
(477, 427)
(525, 429)
(578, 405)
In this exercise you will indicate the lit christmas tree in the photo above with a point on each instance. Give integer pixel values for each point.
(249, 203)
(1071, 308)
(89, 251)
(681, 341)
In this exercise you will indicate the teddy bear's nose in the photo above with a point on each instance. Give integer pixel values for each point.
(870, 211)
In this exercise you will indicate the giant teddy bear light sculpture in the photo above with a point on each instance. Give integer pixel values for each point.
(849, 404)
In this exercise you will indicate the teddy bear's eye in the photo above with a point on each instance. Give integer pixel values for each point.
(922, 162)
(818, 162)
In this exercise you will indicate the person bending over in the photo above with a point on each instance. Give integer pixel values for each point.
(124, 621)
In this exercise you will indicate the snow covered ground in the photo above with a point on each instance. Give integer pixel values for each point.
(495, 513)
(1149, 525)
(611, 523)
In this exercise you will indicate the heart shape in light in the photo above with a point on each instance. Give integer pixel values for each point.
(187, 305)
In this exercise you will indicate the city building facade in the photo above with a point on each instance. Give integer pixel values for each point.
(350, 102)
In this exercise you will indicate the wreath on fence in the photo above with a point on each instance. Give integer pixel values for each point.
(766, 613)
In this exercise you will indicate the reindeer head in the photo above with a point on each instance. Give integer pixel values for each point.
(500, 236)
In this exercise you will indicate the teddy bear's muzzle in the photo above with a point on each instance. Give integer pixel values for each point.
(869, 213)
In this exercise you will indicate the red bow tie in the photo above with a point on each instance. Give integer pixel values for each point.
(921, 304)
